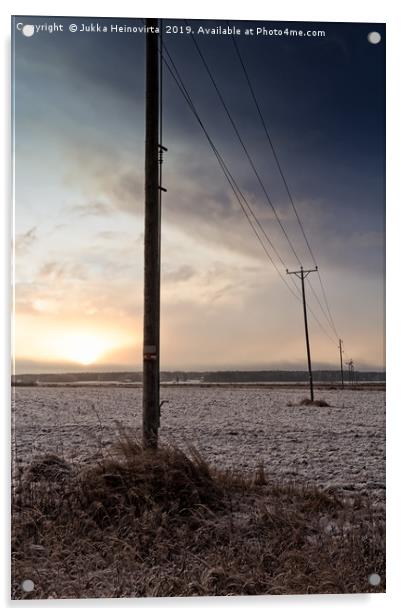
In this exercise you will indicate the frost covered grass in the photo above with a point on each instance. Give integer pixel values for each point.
(341, 446)
(136, 523)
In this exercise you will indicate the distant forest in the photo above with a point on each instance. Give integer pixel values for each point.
(238, 376)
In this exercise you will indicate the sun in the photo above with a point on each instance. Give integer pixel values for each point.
(75, 342)
(83, 348)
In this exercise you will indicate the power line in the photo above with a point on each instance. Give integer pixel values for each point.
(233, 184)
(187, 96)
(271, 144)
(249, 158)
(327, 304)
(326, 316)
(237, 191)
(280, 169)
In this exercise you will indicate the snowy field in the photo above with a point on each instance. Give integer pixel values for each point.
(342, 446)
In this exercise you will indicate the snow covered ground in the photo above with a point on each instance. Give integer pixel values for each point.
(341, 446)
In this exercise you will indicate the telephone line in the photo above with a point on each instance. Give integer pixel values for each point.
(236, 190)
(321, 306)
(280, 169)
(249, 158)
(272, 146)
(182, 88)
(233, 184)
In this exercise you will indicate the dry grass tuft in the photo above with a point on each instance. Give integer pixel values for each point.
(139, 480)
(49, 468)
(308, 402)
(164, 523)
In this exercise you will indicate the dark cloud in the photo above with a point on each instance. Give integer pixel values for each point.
(200, 204)
(329, 136)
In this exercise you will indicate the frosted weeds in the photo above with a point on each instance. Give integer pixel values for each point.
(342, 446)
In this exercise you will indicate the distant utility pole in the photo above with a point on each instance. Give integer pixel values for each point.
(341, 358)
(351, 371)
(151, 405)
(302, 274)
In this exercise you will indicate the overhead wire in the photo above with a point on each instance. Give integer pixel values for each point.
(329, 316)
(247, 210)
(243, 145)
(233, 184)
(230, 178)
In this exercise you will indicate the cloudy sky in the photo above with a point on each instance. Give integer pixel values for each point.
(79, 199)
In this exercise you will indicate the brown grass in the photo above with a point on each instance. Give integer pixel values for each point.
(308, 402)
(141, 523)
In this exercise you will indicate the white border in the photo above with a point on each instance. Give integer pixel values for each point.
(292, 10)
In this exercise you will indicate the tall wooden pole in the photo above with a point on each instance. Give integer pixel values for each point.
(151, 406)
(307, 337)
(302, 274)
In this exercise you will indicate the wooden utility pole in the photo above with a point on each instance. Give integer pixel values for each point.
(351, 367)
(302, 274)
(151, 407)
(352, 371)
(341, 358)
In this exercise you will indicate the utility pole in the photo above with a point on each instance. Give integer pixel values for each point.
(302, 274)
(151, 405)
(340, 356)
(351, 371)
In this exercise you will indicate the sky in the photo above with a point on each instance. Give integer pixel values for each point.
(78, 106)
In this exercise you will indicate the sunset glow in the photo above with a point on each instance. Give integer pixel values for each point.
(72, 342)
(83, 348)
